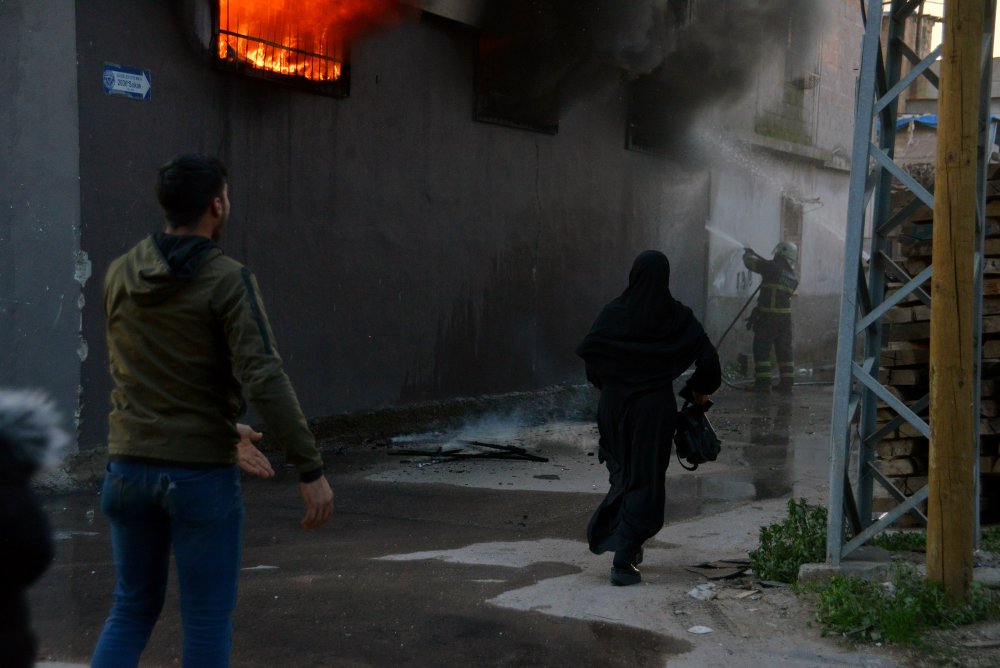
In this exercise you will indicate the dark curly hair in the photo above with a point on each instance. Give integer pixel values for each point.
(186, 185)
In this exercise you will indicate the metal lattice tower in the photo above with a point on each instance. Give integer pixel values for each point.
(865, 304)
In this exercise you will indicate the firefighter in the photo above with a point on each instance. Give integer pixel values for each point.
(771, 319)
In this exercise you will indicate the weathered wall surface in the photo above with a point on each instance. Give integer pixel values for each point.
(800, 152)
(404, 251)
(39, 201)
(746, 207)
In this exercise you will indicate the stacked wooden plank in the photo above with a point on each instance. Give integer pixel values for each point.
(902, 455)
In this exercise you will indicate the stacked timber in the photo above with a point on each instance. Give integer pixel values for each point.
(902, 456)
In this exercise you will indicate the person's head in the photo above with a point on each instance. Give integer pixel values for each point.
(651, 265)
(193, 192)
(787, 250)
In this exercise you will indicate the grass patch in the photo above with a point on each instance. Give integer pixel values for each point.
(898, 611)
(901, 541)
(916, 541)
(990, 541)
(785, 546)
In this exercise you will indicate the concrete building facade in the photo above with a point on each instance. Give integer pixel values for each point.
(405, 251)
(782, 172)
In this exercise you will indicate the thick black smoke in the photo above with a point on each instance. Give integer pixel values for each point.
(682, 57)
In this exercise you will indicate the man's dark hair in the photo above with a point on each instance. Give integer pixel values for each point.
(186, 185)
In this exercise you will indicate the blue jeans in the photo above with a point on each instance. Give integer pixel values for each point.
(200, 515)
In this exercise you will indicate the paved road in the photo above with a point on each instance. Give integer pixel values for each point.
(478, 562)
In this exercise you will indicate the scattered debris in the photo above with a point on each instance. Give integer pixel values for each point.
(748, 593)
(699, 630)
(417, 438)
(260, 567)
(719, 570)
(547, 476)
(982, 644)
(511, 449)
(704, 592)
(437, 452)
(455, 454)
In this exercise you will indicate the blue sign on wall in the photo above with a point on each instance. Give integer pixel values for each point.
(127, 81)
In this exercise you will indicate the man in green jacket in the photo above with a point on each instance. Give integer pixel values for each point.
(187, 334)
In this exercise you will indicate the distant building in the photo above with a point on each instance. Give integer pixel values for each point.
(781, 172)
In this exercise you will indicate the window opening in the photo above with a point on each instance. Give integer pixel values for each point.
(304, 43)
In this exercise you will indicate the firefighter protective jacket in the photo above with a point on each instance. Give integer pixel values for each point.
(778, 282)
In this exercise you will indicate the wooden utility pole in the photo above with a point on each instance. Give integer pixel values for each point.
(953, 447)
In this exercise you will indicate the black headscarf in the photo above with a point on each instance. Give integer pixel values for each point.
(645, 338)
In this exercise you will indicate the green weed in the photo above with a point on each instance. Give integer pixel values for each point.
(785, 546)
(916, 541)
(898, 611)
(901, 541)
(990, 541)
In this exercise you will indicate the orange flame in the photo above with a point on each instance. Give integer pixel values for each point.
(303, 38)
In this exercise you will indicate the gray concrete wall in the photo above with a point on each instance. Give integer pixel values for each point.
(754, 167)
(405, 252)
(746, 208)
(40, 201)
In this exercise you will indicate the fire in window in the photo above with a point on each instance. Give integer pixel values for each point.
(297, 42)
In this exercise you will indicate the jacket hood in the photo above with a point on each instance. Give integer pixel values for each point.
(163, 264)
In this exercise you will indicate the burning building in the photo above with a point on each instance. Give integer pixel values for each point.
(436, 195)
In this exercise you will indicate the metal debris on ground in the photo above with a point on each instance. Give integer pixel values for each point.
(510, 451)
(720, 570)
(456, 454)
(417, 438)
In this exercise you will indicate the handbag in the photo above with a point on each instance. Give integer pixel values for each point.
(695, 437)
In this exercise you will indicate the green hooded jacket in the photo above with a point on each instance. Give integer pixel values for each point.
(187, 333)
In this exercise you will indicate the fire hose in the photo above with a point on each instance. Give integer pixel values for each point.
(729, 329)
(726, 333)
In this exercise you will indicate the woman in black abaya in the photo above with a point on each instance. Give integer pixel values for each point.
(638, 345)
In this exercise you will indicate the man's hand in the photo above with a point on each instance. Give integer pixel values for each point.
(318, 498)
(699, 399)
(249, 458)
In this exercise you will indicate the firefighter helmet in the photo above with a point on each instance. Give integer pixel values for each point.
(787, 250)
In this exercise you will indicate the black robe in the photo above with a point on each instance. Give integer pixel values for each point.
(639, 344)
(26, 552)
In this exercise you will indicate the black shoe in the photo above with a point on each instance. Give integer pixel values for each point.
(762, 388)
(623, 577)
(784, 387)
